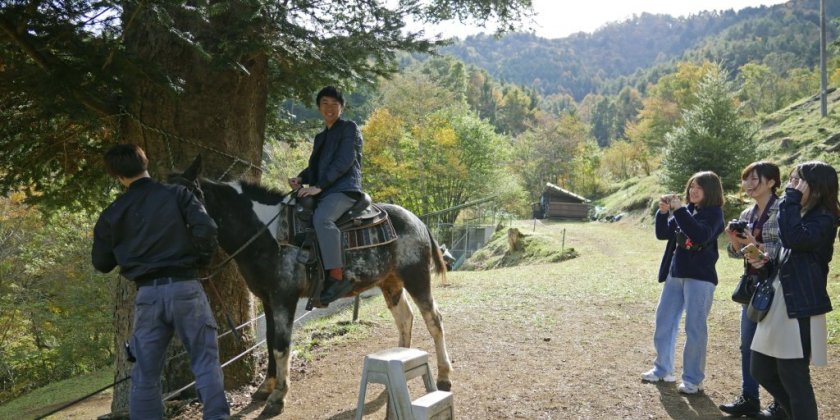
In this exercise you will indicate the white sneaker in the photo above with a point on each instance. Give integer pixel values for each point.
(650, 376)
(689, 388)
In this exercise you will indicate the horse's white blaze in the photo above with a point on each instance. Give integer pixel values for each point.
(264, 212)
(236, 186)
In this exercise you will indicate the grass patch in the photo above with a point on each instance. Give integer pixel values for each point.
(319, 335)
(53, 395)
(533, 249)
(617, 265)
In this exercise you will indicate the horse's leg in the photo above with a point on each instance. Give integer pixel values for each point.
(418, 284)
(270, 382)
(283, 322)
(397, 303)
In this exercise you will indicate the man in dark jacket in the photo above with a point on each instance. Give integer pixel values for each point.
(159, 235)
(334, 176)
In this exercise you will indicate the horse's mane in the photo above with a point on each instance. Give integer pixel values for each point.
(260, 193)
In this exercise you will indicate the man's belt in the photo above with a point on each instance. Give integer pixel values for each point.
(161, 281)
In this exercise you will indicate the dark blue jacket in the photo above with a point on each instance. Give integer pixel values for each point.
(702, 230)
(336, 161)
(804, 272)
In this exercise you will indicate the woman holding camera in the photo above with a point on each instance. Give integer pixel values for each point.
(757, 225)
(688, 271)
(794, 331)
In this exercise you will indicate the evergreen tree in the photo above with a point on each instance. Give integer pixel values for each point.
(181, 78)
(711, 137)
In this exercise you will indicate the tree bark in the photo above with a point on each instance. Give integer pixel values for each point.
(213, 110)
(124, 292)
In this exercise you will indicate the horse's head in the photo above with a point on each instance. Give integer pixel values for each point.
(190, 178)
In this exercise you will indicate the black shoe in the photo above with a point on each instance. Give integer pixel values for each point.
(774, 411)
(744, 405)
(334, 289)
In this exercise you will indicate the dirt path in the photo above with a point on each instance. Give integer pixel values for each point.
(555, 341)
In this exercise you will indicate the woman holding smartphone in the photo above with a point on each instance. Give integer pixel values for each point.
(759, 180)
(688, 271)
(794, 331)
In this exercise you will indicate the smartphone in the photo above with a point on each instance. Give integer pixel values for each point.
(752, 252)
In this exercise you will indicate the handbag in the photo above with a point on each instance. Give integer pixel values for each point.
(746, 287)
(761, 300)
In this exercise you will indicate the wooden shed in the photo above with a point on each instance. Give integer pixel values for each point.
(556, 202)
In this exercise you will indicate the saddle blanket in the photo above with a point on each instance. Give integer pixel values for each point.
(369, 236)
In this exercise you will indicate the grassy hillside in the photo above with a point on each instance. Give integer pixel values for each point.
(791, 135)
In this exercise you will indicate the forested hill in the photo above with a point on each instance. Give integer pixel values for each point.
(639, 49)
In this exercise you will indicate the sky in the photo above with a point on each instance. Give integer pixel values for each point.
(561, 18)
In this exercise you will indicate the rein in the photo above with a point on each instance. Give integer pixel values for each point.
(218, 268)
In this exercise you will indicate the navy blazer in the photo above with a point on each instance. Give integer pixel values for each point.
(810, 239)
(336, 161)
(703, 228)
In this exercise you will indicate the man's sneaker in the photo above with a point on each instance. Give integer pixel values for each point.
(650, 376)
(773, 411)
(334, 289)
(744, 405)
(689, 388)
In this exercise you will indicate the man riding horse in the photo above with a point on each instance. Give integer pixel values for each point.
(334, 178)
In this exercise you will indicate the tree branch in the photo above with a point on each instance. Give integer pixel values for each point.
(50, 65)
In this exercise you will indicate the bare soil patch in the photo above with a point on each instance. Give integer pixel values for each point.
(553, 341)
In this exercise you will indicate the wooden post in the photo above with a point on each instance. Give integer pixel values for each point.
(563, 242)
(356, 302)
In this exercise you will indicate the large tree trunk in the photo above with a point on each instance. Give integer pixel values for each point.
(220, 113)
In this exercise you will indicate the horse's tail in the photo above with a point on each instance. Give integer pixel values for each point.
(437, 257)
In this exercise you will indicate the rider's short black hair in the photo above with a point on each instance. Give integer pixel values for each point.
(331, 92)
(126, 160)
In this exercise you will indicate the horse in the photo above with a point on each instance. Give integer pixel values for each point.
(270, 267)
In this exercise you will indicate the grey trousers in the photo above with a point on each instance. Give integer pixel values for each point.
(329, 209)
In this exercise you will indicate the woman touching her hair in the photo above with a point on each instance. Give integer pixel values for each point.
(793, 334)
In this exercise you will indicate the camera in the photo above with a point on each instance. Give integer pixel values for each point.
(737, 226)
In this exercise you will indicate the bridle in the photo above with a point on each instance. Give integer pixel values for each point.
(194, 185)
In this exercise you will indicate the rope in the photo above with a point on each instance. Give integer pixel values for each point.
(218, 268)
(228, 169)
(167, 135)
(235, 159)
(182, 389)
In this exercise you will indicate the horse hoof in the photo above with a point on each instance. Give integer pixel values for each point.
(444, 385)
(271, 410)
(260, 395)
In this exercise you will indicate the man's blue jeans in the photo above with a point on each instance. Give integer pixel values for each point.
(695, 297)
(179, 307)
(749, 385)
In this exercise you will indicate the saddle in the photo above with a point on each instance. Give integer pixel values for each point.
(364, 225)
(363, 213)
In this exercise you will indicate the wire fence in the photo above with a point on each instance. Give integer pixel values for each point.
(235, 160)
(465, 228)
(465, 236)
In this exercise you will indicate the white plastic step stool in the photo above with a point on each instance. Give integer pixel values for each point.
(436, 405)
(393, 368)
